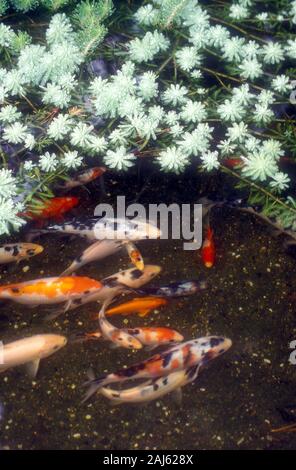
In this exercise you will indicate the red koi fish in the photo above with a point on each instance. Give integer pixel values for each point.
(208, 249)
(54, 208)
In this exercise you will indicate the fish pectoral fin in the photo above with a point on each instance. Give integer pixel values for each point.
(58, 312)
(114, 346)
(177, 396)
(67, 271)
(32, 368)
(144, 312)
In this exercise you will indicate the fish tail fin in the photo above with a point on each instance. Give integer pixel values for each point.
(82, 337)
(203, 285)
(30, 236)
(94, 385)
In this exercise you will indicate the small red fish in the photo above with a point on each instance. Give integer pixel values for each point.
(54, 208)
(233, 162)
(208, 249)
(83, 178)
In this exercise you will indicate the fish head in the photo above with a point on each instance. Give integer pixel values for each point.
(212, 347)
(52, 343)
(70, 202)
(177, 337)
(137, 259)
(135, 278)
(146, 230)
(128, 341)
(32, 249)
(98, 171)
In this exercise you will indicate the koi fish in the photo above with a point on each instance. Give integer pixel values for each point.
(183, 356)
(135, 255)
(82, 178)
(30, 351)
(54, 208)
(176, 289)
(50, 290)
(152, 389)
(18, 251)
(121, 282)
(150, 337)
(153, 337)
(100, 250)
(233, 162)
(117, 336)
(95, 252)
(208, 249)
(141, 305)
(94, 229)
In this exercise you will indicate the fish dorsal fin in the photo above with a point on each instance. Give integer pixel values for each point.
(32, 368)
(177, 396)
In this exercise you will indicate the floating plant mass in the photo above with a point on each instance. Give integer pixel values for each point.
(190, 85)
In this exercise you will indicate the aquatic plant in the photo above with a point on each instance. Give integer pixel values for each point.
(24, 6)
(194, 85)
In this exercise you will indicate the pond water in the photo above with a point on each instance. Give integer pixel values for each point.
(235, 401)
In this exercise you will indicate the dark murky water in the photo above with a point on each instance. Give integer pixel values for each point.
(233, 404)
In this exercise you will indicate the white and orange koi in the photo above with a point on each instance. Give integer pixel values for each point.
(121, 282)
(150, 337)
(51, 290)
(117, 336)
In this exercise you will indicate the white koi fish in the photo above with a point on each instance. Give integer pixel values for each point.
(152, 389)
(30, 351)
(94, 229)
(95, 252)
(18, 251)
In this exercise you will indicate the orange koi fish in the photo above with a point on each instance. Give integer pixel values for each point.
(182, 356)
(54, 208)
(208, 249)
(51, 290)
(141, 305)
